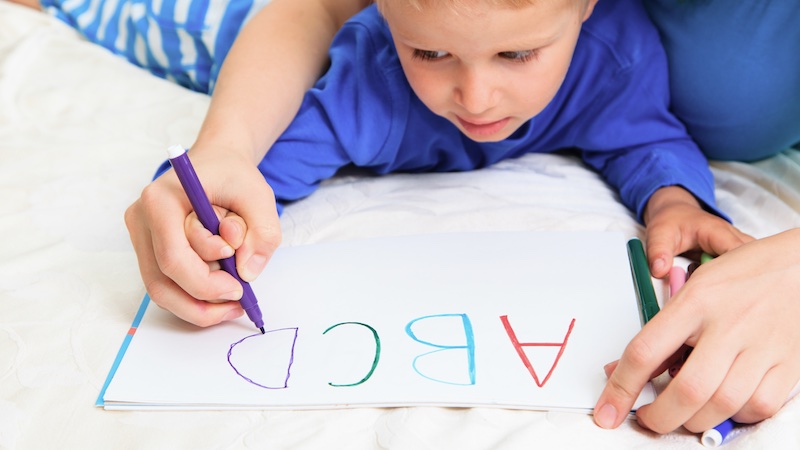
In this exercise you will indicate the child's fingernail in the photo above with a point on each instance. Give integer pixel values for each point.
(227, 251)
(606, 416)
(659, 265)
(253, 267)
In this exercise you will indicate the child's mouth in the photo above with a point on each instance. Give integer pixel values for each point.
(483, 129)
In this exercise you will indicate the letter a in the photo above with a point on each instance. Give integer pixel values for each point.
(518, 346)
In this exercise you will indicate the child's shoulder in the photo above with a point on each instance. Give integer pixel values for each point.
(623, 29)
(365, 41)
(368, 26)
(369, 18)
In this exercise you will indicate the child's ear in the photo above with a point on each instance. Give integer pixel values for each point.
(589, 9)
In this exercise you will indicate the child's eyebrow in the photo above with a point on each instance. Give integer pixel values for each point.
(527, 44)
(542, 39)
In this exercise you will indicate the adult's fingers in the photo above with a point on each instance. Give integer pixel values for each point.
(162, 290)
(209, 247)
(232, 228)
(672, 360)
(262, 235)
(740, 382)
(777, 387)
(691, 390)
(648, 351)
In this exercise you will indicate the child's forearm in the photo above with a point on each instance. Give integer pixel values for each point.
(666, 197)
(275, 59)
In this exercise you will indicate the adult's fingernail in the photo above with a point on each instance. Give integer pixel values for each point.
(227, 251)
(232, 314)
(253, 267)
(606, 416)
(232, 295)
(236, 226)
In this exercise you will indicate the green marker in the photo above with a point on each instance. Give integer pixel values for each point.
(705, 257)
(642, 280)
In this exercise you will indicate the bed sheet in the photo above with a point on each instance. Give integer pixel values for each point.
(81, 133)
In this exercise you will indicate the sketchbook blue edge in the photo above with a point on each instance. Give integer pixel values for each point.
(123, 348)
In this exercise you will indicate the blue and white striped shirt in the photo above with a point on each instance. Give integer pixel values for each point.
(181, 40)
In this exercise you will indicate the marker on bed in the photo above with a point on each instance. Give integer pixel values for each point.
(717, 435)
(729, 429)
(205, 212)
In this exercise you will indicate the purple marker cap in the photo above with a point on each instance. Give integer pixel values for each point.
(179, 159)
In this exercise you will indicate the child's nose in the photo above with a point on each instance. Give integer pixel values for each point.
(475, 92)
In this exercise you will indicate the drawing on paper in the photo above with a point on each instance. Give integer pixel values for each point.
(267, 372)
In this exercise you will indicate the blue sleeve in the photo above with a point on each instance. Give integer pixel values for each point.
(307, 153)
(349, 117)
(637, 144)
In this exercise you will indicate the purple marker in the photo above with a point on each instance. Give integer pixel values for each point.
(205, 212)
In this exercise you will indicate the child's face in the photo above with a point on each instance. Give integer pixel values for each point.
(488, 69)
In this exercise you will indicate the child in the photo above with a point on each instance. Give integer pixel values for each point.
(425, 91)
(451, 100)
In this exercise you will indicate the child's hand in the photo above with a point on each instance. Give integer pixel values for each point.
(740, 312)
(177, 255)
(676, 224)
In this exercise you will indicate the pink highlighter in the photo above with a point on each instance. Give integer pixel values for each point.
(677, 278)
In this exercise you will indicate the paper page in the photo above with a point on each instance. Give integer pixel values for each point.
(510, 319)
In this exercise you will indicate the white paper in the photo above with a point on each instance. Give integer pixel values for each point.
(437, 312)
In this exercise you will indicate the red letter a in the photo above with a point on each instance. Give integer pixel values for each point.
(518, 346)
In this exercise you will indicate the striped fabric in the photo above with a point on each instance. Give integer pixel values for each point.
(181, 40)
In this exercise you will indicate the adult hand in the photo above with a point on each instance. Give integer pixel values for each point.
(740, 313)
(676, 223)
(276, 58)
(177, 255)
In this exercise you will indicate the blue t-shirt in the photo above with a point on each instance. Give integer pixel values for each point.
(613, 107)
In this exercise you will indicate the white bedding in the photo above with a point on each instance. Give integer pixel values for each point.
(81, 133)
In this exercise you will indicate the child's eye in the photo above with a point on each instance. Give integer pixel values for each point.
(519, 56)
(428, 55)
